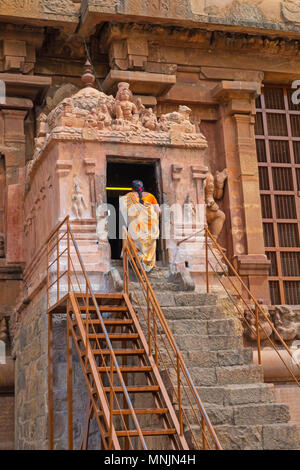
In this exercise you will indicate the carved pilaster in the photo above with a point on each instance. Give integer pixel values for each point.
(237, 99)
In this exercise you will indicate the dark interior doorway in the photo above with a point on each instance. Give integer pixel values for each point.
(120, 175)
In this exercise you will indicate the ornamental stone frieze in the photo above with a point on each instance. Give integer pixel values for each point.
(94, 116)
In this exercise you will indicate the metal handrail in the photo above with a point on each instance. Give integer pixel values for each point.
(129, 250)
(257, 307)
(90, 294)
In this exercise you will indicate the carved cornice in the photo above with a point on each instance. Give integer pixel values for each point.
(208, 40)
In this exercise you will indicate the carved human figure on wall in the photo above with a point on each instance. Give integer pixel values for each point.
(78, 202)
(99, 117)
(214, 188)
(147, 117)
(102, 221)
(125, 109)
(189, 210)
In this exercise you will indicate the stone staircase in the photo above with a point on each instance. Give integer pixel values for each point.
(240, 405)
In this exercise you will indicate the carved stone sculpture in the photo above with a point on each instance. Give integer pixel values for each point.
(99, 118)
(147, 117)
(214, 191)
(78, 202)
(284, 321)
(291, 10)
(189, 210)
(178, 121)
(265, 329)
(125, 109)
(102, 222)
(2, 248)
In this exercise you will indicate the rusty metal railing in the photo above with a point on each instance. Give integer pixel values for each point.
(164, 350)
(249, 306)
(65, 265)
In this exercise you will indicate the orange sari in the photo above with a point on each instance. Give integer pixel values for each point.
(143, 226)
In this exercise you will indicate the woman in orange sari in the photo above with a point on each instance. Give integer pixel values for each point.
(141, 212)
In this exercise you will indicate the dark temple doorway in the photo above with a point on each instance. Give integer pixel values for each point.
(119, 175)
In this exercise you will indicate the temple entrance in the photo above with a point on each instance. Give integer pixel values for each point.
(119, 175)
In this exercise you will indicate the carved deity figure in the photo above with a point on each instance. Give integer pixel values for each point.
(78, 202)
(214, 191)
(189, 210)
(147, 116)
(102, 221)
(125, 109)
(99, 117)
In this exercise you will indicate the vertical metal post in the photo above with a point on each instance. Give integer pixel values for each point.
(257, 334)
(125, 264)
(203, 434)
(206, 261)
(69, 380)
(48, 277)
(155, 338)
(69, 255)
(111, 396)
(179, 396)
(57, 263)
(149, 320)
(50, 381)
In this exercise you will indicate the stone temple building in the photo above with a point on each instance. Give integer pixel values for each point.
(199, 99)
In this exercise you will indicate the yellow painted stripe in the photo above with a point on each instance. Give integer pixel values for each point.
(111, 188)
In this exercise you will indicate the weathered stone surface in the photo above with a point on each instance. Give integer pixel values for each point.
(240, 437)
(261, 414)
(269, 14)
(239, 374)
(281, 437)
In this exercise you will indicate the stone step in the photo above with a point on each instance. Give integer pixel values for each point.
(203, 327)
(167, 298)
(205, 312)
(194, 343)
(280, 436)
(221, 358)
(219, 376)
(242, 415)
(237, 394)
(158, 286)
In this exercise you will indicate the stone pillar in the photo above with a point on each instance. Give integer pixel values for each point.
(14, 155)
(244, 219)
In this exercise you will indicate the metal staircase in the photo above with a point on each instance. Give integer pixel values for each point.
(121, 360)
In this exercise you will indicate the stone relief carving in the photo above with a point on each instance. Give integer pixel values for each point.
(16, 6)
(284, 321)
(189, 210)
(291, 10)
(91, 114)
(265, 329)
(214, 191)
(102, 222)
(62, 7)
(78, 202)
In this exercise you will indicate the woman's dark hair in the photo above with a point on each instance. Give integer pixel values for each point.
(138, 186)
